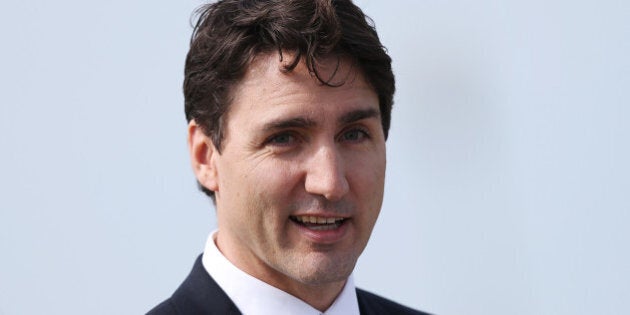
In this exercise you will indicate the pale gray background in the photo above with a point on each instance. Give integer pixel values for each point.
(508, 177)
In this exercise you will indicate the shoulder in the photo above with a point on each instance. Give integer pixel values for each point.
(370, 303)
(198, 294)
(164, 308)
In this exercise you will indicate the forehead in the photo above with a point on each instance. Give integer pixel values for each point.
(267, 87)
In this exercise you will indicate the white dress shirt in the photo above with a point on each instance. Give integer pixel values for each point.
(255, 297)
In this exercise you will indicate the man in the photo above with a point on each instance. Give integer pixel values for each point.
(288, 104)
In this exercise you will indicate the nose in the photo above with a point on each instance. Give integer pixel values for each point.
(325, 175)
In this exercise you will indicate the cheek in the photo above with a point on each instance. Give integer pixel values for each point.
(272, 185)
(367, 174)
(367, 179)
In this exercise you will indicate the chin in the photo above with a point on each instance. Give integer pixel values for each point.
(320, 272)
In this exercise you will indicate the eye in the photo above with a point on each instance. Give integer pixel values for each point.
(354, 135)
(282, 139)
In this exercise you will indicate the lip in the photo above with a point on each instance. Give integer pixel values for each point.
(330, 236)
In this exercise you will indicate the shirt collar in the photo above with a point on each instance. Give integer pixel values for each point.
(253, 296)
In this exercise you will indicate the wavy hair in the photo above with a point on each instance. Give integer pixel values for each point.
(229, 34)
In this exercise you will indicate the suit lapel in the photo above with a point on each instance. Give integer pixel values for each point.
(200, 294)
(363, 308)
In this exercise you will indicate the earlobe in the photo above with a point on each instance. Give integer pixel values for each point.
(202, 156)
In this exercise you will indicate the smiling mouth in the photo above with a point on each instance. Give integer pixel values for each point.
(318, 223)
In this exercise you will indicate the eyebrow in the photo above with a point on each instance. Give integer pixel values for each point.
(302, 122)
(358, 114)
(297, 122)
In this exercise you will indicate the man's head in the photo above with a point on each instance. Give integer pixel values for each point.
(230, 34)
(289, 105)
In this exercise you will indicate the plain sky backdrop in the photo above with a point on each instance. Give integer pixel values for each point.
(508, 181)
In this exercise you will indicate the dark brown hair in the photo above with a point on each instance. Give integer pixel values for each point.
(230, 33)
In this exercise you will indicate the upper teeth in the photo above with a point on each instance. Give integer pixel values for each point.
(318, 220)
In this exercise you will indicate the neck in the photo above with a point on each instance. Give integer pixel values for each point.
(318, 295)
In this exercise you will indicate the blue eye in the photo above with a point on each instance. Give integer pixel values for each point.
(354, 135)
(282, 139)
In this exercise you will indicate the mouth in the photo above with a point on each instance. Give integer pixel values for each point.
(317, 223)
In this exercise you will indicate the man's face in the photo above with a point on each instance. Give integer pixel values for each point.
(299, 180)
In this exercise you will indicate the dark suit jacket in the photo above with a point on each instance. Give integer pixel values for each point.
(200, 294)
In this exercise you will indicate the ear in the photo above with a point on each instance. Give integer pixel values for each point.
(202, 157)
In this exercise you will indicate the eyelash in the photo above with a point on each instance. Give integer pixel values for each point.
(292, 137)
(273, 139)
(362, 131)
